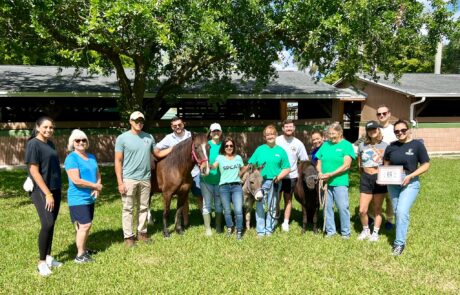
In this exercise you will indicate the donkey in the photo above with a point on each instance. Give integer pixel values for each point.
(306, 193)
(252, 191)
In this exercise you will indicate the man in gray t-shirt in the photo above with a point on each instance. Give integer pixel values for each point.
(133, 149)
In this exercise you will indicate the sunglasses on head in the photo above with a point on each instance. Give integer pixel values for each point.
(81, 140)
(382, 114)
(229, 145)
(402, 131)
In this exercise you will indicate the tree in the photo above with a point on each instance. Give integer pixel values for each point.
(451, 52)
(171, 44)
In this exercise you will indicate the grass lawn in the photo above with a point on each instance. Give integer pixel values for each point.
(286, 263)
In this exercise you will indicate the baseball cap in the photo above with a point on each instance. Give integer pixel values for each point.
(136, 115)
(372, 125)
(215, 126)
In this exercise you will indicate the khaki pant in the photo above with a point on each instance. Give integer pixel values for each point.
(138, 194)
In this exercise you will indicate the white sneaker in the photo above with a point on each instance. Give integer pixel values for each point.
(43, 269)
(365, 234)
(51, 262)
(374, 237)
(285, 227)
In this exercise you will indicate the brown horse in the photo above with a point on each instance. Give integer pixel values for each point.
(252, 190)
(306, 192)
(173, 175)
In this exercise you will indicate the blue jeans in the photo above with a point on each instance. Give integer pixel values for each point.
(265, 223)
(232, 193)
(402, 198)
(211, 196)
(339, 196)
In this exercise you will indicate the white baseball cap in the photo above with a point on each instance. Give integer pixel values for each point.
(215, 126)
(136, 115)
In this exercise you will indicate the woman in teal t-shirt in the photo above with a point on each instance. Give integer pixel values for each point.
(230, 188)
(334, 160)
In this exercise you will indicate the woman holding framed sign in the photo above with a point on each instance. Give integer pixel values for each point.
(412, 155)
(370, 157)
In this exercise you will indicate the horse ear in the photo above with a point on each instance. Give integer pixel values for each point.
(250, 168)
(193, 135)
(261, 167)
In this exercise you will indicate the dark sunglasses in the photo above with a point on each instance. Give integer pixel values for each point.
(139, 121)
(229, 145)
(178, 125)
(382, 114)
(402, 131)
(81, 140)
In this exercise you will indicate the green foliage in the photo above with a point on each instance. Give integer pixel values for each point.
(285, 263)
(451, 52)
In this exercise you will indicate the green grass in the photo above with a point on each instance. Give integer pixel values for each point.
(286, 263)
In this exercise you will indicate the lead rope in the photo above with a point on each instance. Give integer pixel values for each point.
(322, 197)
(272, 201)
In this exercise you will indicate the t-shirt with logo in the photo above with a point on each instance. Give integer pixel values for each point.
(87, 169)
(136, 149)
(332, 157)
(214, 174)
(408, 154)
(229, 169)
(295, 150)
(274, 158)
(372, 154)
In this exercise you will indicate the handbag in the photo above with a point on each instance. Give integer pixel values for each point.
(28, 185)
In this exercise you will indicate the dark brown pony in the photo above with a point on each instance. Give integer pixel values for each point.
(173, 176)
(306, 193)
(252, 190)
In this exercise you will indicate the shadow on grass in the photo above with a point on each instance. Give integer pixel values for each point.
(390, 234)
(99, 241)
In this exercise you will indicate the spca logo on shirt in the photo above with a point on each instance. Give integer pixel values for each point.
(277, 155)
(410, 152)
(146, 141)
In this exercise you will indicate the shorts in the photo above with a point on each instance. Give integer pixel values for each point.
(288, 185)
(82, 214)
(196, 190)
(368, 185)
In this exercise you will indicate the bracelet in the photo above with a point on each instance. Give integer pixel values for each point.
(48, 196)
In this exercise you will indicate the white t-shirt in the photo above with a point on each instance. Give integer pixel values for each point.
(295, 150)
(388, 134)
(171, 140)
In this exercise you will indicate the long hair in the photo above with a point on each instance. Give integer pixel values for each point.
(38, 123)
(368, 139)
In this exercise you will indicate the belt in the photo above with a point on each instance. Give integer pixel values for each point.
(231, 183)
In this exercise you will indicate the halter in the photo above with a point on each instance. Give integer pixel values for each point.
(195, 157)
(253, 193)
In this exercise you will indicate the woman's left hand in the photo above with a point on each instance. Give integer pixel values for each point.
(406, 180)
(95, 193)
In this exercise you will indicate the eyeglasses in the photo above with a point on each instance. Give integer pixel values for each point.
(382, 114)
(84, 140)
(229, 146)
(402, 131)
(139, 121)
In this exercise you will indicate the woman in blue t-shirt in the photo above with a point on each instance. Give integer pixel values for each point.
(409, 153)
(84, 187)
(230, 189)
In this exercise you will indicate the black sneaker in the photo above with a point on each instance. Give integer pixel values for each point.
(397, 250)
(85, 258)
(239, 234)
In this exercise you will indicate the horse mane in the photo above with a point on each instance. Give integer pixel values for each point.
(181, 155)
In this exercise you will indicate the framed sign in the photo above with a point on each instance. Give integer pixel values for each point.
(390, 175)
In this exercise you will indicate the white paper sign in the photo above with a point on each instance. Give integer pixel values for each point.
(390, 175)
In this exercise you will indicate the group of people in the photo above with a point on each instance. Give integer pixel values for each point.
(221, 189)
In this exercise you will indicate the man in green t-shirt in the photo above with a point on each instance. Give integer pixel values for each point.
(276, 166)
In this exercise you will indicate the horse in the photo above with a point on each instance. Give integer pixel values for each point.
(306, 193)
(173, 176)
(252, 190)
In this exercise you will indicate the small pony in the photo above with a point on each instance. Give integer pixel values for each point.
(306, 193)
(252, 190)
(173, 176)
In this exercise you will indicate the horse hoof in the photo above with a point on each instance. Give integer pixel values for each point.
(166, 234)
(180, 231)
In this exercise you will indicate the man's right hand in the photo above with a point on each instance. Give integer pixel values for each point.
(122, 189)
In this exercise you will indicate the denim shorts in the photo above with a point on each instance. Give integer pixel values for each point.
(82, 214)
(368, 184)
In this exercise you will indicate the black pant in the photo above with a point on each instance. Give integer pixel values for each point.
(47, 219)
